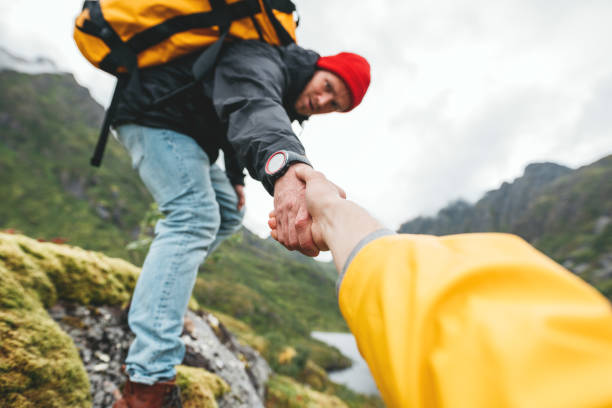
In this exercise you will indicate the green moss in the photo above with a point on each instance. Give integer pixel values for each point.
(39, 364)
(284, 392)
(12, 293)
(25, 270)
(52, 271)
(199, 388)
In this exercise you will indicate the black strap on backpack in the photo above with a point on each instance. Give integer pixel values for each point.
(124, 54)
(96, 159)
(206, 61)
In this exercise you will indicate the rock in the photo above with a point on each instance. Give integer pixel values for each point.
(225, 363)
(102, 337)
(100, 367)
(102, 345)
(85, 353)
(102, 357)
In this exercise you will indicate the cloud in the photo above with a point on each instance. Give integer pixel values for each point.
(450, 158)
(591, 134)
(464, 94)
(596, 115)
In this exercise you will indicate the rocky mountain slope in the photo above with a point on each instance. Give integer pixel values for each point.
(64, 337)
(565, 213)
(48, 127)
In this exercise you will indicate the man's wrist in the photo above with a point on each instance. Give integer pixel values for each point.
(291, 167)
(278, 164)
(288, 179)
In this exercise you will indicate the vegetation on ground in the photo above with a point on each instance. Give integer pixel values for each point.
(48, 128)
(199, 388)
(284, 392)
(39, 363)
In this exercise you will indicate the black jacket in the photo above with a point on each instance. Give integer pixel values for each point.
(245, 108)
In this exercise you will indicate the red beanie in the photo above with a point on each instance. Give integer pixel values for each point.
(354, 71)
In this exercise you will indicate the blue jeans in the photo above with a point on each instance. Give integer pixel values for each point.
(200, 208)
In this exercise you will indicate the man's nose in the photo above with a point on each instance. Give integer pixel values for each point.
(324, 100)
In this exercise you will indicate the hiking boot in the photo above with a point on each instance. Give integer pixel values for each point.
(164, 394)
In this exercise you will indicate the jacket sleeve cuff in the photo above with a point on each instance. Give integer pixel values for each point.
(383, 232)
(236, 179)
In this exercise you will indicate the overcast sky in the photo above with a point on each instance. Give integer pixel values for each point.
(464, 93)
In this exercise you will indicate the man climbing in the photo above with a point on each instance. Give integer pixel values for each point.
(470, 320)
(244, 109)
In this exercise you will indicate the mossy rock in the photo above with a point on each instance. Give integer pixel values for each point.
(39, 364)
(199, 388)
(52, 272)
(284, 392)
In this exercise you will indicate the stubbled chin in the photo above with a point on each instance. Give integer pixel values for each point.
(300, 108)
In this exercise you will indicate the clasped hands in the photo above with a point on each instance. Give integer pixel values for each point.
(300, 199)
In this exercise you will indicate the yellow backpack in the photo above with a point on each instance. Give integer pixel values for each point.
(121, 36)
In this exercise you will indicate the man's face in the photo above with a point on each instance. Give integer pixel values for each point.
(326, 92)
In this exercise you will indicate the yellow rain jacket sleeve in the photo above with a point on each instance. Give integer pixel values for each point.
(477, 321)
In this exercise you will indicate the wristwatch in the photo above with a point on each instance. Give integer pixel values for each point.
(278, 163)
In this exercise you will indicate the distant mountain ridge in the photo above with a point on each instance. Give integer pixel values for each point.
(565, 213)
(48, 127)
(498, 210)
(38, 65)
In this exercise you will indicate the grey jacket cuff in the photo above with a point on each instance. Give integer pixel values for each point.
(366, 240)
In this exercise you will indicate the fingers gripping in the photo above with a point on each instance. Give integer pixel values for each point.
(304, 232)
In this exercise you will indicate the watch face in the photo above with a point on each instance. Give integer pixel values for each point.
(276, 162)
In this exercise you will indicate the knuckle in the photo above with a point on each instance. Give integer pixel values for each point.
(302, 223)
